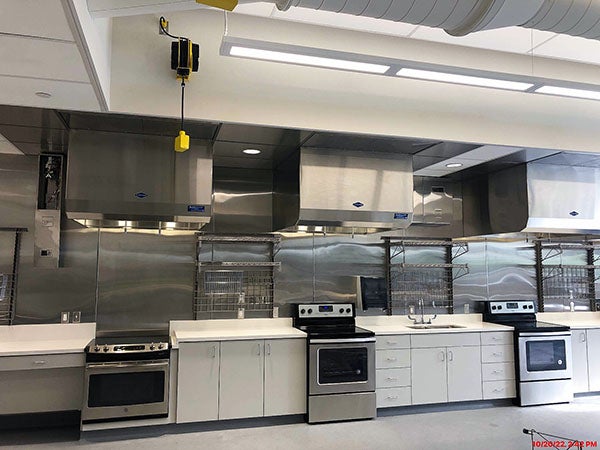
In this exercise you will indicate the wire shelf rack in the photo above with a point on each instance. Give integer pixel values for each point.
(10, 243)
(567, 282)
(411, 285)
(234, 287)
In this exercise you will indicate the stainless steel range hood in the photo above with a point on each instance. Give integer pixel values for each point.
(137, 181)
(545, 198)
(343, 191)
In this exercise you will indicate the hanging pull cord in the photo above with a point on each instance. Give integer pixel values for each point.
(162, 21)
(182, 100)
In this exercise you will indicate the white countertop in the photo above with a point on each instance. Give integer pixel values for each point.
(576, 320)
(232, 330)
(383, 325)
(23, 340)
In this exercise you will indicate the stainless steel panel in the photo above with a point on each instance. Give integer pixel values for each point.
(144, 281)
(47, 238)
(545, 392)
(137, 178)
(330, 408)
(18, 190)
(511, 275)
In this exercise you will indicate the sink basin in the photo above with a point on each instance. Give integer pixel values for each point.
(427, 326)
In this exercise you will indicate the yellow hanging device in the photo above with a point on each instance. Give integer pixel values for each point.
(184, 61)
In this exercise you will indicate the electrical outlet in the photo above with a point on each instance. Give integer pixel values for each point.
(64, 317)
(76, 316)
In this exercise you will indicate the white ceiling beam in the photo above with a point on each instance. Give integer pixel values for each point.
(121, 8)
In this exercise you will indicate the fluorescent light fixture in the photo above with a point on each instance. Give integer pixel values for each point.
(8, 147)
(568, 92)
(453, 165)
(463, 79)
(251, 151)
(306, 60)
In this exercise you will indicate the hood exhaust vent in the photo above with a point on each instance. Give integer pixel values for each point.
(545, 198)
(137, 181)
(343, 191)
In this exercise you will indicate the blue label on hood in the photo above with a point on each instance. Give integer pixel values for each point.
(196, 208)
(140, 195)
(574, 213)
(358, 204)
(401, 216)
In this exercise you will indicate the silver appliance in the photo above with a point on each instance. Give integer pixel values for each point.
(543, 355)
(136, 180)
(343, 189)
(341, 363)
(126, 378)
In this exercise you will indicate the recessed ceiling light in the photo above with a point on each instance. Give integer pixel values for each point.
(43, 94)
(251, 151)
(463, 79)
(453, 165)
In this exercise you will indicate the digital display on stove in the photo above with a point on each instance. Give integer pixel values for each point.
(512, 305)
(118, 348)
(326, 308)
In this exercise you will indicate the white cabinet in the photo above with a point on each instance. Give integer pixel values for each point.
(285, 377)
(593, 355)
(392, 361)
(198, 382)
(464, 374)
(429, 381)
(580, 361)
(498, 366)
(241, 380)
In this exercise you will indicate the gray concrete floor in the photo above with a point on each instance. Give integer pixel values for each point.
(475, 428)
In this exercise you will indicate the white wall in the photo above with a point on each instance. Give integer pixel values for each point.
(239, 90)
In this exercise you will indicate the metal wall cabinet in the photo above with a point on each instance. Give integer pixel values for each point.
(580, 361)
(241, 381)
(198, 382)
(593, 355)
(446, 368)
(285, 377)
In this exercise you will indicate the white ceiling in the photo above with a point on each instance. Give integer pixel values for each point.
(512, 39)
(40, 53)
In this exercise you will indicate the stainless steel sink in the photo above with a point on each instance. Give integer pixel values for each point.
(427, 326)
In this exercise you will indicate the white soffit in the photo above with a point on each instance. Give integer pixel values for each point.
(468, 159)
(8, 147)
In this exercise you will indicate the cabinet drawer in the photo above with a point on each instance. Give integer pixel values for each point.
(497, 353)
(393, 341)
(498, 371)
(42, 361)
(499, 389)
(387, 378)
(497, 338)
(386, 359)
(387, 398)
(444, 340)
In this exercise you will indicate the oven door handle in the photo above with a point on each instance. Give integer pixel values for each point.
(119, 365)
(550, 334)
(342, 341)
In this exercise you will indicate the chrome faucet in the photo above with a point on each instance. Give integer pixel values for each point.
(422, 321)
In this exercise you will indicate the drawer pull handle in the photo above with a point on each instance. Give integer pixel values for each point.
(497, 371)
(39, 363)
(391, 379)
(498, 390)
(582, 337)
(391, 343)
(395, 397)
(496, 338)
(497, 354)
(392, 359)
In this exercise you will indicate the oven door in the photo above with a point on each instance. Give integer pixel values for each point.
(341, 365)
(545, 356)
(126, 389)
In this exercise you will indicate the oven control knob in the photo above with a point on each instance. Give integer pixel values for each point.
(310, 311)
(525, 306)
(499, 306)
(160, 347)
(96, 348)
(152, 347)
(341, 310)
(494, 307)
(302, 311)
(105, 349)
(348, 310)
(530, 306)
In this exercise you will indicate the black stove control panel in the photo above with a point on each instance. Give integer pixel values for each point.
(511, 307)
(127, 348)
(325, 310)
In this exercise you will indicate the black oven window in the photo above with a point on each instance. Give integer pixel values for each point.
(122, 389)
(546, 355)
(343, 365)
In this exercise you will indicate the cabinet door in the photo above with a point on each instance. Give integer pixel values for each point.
(242, 375)
(593, 354)
(285, 377)
(429, 383)
(464, 374)
(580, 362)
(198, 382)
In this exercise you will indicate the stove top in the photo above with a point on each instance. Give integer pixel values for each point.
(519, 314)
(538, 326)
(328, 321)
(335, 331)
